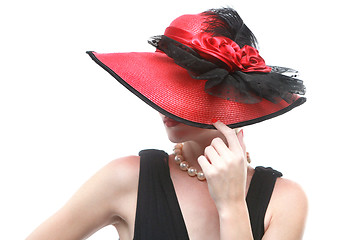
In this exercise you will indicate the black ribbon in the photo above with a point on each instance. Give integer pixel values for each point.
(244, 87)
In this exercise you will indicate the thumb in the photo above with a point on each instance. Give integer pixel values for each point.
(240, 137)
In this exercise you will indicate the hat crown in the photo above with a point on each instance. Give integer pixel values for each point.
(192, 23)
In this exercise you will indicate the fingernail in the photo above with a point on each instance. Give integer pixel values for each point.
(214, 120)
(242, 133)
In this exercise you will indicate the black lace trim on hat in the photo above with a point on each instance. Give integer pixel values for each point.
(297, 103)
(244, 87)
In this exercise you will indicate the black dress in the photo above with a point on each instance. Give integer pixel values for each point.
(158, 214)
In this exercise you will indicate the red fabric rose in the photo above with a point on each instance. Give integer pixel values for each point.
(246, 59)
(249, 60)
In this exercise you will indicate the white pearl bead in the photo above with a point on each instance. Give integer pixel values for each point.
(201, 176)
(192, 171)
(178, 159)
(184, 165)
(178, 146)
(248, 157)
(177, 151)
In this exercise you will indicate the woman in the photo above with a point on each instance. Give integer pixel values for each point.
(205, 78)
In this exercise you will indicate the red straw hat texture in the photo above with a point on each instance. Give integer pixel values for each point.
(169, 88)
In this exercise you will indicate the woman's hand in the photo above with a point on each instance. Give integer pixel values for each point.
(225, 168)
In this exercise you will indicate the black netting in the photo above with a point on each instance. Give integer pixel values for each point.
(244, 87)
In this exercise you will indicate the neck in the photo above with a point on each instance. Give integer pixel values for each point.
(194, 149)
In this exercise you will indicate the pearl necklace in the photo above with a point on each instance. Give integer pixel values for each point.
(185, 166)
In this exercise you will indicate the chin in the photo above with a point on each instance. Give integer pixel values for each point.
(183, 133)
(178, 132)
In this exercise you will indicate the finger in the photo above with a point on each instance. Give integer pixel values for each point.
(229, 134)
(204, 164)
(212, 155)
(220, 147)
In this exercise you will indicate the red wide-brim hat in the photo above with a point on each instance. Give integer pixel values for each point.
(173, 91)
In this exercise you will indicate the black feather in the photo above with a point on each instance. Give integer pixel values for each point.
(244, 87)
(227, 22)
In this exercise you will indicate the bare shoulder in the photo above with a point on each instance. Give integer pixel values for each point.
(122, 172)
(118, 177)
(288, 193)
(121, 178)
(288, 210)
(104, 191)
(284, 186)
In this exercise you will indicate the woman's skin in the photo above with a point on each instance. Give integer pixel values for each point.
(213, 209)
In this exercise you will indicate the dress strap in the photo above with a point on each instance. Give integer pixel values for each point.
(158, 214)
(258, 198)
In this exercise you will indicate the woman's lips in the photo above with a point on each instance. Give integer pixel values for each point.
(170, 122)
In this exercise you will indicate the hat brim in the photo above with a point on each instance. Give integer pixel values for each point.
(169, 89)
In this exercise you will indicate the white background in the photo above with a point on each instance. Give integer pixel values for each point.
(62, 117)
